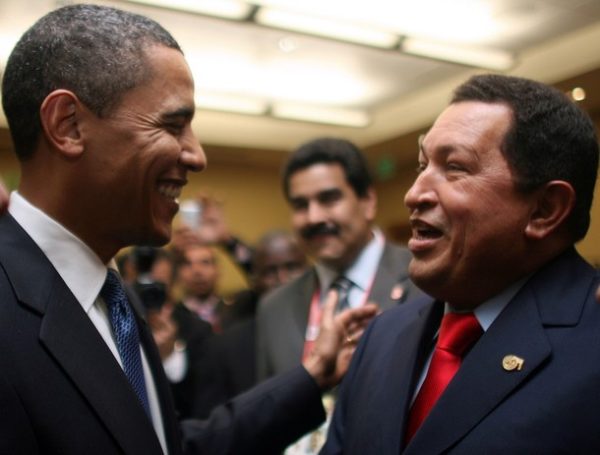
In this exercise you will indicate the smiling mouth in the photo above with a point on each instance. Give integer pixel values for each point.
(424, 231)
(170, 190)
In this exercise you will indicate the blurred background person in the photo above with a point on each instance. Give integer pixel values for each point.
(333, 204)
(230, 361)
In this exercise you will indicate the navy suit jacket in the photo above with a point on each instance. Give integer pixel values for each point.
(549, 406)
(63, 392)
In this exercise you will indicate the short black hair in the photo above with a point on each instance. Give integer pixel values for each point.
(97, 52)
(551, 138)
(329, 150)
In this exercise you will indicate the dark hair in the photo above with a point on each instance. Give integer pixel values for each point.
(330, 151)
(96, 52)
(550, 138)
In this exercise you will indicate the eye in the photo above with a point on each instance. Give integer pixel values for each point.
(454, 166)
(421, 167)
(298, 204)
(175, 128)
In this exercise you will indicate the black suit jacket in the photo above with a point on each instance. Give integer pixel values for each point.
(63, 392)
(61, 388)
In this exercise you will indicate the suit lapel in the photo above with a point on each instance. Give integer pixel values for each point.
(163, 389)
(407, 352)
(392, 284)
(78, 348)
(74, 343)
(482, 382)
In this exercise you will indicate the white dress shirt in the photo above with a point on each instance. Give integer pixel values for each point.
(84, 274)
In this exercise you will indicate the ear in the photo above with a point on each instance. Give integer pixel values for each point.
(370, 203)
(554, 203)
(58, 115)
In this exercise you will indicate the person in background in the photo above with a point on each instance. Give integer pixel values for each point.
(229, 364)
(503, 357)
(333, 204)
(99, 104)
(180, 335)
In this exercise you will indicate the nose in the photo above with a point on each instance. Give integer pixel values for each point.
(315, 213)
(421, 194)
(192, 155)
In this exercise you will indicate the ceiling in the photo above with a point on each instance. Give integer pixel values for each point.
(391, 91)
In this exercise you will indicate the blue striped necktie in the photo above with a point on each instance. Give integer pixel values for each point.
(126, 333)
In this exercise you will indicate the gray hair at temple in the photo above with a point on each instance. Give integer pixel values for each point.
(96, 52)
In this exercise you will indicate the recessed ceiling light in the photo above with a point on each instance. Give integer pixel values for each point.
(578, 94)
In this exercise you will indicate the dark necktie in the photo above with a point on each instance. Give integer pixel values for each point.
(458, 333)
(343, 286)
(126, 333)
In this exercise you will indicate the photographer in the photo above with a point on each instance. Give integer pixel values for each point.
(179, 334)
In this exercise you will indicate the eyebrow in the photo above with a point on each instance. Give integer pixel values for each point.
(184, 112)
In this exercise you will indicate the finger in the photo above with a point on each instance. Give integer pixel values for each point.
(364, 313)
(328, 312)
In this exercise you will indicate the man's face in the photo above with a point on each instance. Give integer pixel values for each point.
(280, 263)
(468, 220)
(199, 272)
(332, 222)
(137, 158)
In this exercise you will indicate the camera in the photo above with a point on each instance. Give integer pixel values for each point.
(153, 294)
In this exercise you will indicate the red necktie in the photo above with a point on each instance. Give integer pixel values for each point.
(458, 332)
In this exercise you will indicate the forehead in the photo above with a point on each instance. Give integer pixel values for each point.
(199, 253)
(471, 125)
(316, 178)
(168, 87)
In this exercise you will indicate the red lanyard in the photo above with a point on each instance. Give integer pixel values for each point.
(314, 320)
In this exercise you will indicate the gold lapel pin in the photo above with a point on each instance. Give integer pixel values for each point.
(512, 362)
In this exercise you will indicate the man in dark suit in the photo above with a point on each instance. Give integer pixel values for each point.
(333, 203)
(505, 184)
(99, 104)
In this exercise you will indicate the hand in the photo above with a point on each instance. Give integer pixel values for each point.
(213, 228)
(338, 335)
(164, 330)
(183, 237)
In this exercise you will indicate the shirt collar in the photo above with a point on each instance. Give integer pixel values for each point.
(79, 267)
(488, 311)
(361, 271)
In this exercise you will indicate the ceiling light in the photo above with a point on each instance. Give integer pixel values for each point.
(227, 9)
(483, 58)
(341, 117)
(578, 94)
(327, 28)
(231, 103)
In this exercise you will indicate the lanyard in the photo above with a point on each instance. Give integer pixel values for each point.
(314, 319)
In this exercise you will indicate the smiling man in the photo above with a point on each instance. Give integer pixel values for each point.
(504, 360)
(100, 103)
(333, 203)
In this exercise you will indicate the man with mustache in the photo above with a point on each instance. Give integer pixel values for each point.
(333, 203)
(504, 357)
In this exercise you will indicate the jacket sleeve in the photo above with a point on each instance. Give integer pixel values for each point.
(264, 420)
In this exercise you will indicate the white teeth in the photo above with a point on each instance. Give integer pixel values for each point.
(170, 190)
